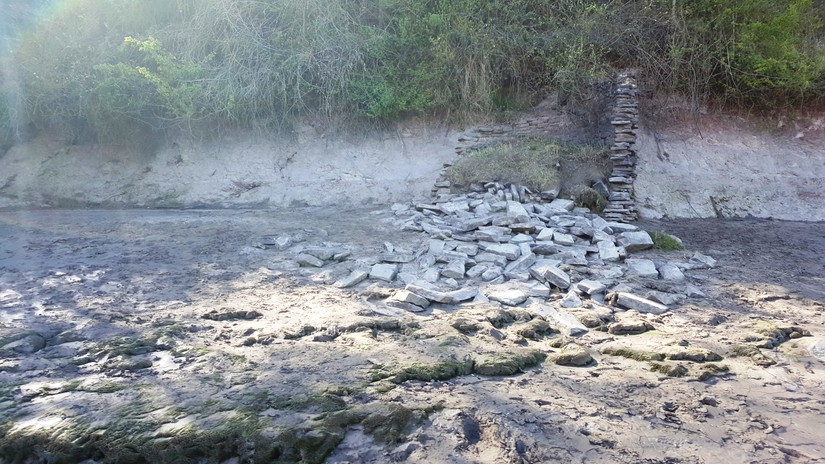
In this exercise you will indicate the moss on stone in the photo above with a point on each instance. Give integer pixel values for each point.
(389, 426)
(711, 370)
(698, 355)
(306, 402)
(509, 363)
(670, 370)
(632, 353)
(534, 329)
(753, 352)
(743, 350)
(465, 325)
(441, 370)
(573, 355)
(665, 242)
(499, 317)
(451, 340)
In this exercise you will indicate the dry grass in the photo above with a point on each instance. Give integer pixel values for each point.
(537, 163)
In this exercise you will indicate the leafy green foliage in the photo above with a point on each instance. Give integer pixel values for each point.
(148, 89)
(765, 51)
(228, 63)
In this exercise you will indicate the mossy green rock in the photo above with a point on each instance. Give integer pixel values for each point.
(573, 355)
(389, 426)
(698, 355)
(441, 370)
(710, 370)
(534, 329)
(670, 370)
(632, 353)
(508, 364)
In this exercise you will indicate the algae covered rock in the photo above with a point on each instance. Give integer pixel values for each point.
(670, 370)
(637, 354)
(534, 329)
(629, 326)
(442, 370)
(573, 354)
(508, 364)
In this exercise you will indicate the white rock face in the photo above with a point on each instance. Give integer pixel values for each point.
(730, 172)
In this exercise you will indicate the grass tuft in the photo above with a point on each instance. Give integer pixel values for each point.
(538, 163)
(665, 242)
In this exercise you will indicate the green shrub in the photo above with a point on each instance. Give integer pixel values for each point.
(756, 51)
(665, 242)
(232, 63)
(151, 90)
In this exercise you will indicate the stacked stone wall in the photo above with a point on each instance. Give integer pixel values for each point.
(621, 204)
(624, 120)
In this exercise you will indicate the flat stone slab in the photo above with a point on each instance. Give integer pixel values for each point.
(563, 239)
(517, 212)
(454, 269)
(406, 296)
(670, 271)
(522, 263)
(307, 260)
(591, 287)
(354, 278)
(508, 296)
(634, 241)
(571, 300)
(566, 323)
(561, 205)
(545, 235)
(620, 227)
(643, 305)
(493, 234)
(552, 275)
(385, 272)
(608, 251)
(665, 298)
(485, 257)
(641, 268)
(703, 260)
(452, 297)
(508, 250)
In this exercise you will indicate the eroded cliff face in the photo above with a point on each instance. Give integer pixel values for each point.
(306, 168)
(717, 166)
(710, 166)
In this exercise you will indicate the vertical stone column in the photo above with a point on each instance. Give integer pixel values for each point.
(621, 203)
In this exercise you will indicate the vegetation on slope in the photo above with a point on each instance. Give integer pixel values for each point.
(132, 69)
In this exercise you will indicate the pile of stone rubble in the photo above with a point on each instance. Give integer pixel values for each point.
(487, 246)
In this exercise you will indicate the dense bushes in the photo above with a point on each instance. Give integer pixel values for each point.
(123, 70)
(762, 52)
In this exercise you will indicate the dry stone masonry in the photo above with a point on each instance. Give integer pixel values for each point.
(625, 121)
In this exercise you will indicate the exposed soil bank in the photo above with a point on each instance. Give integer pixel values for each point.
(722, 166)
(305, 168)
(713, 166)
